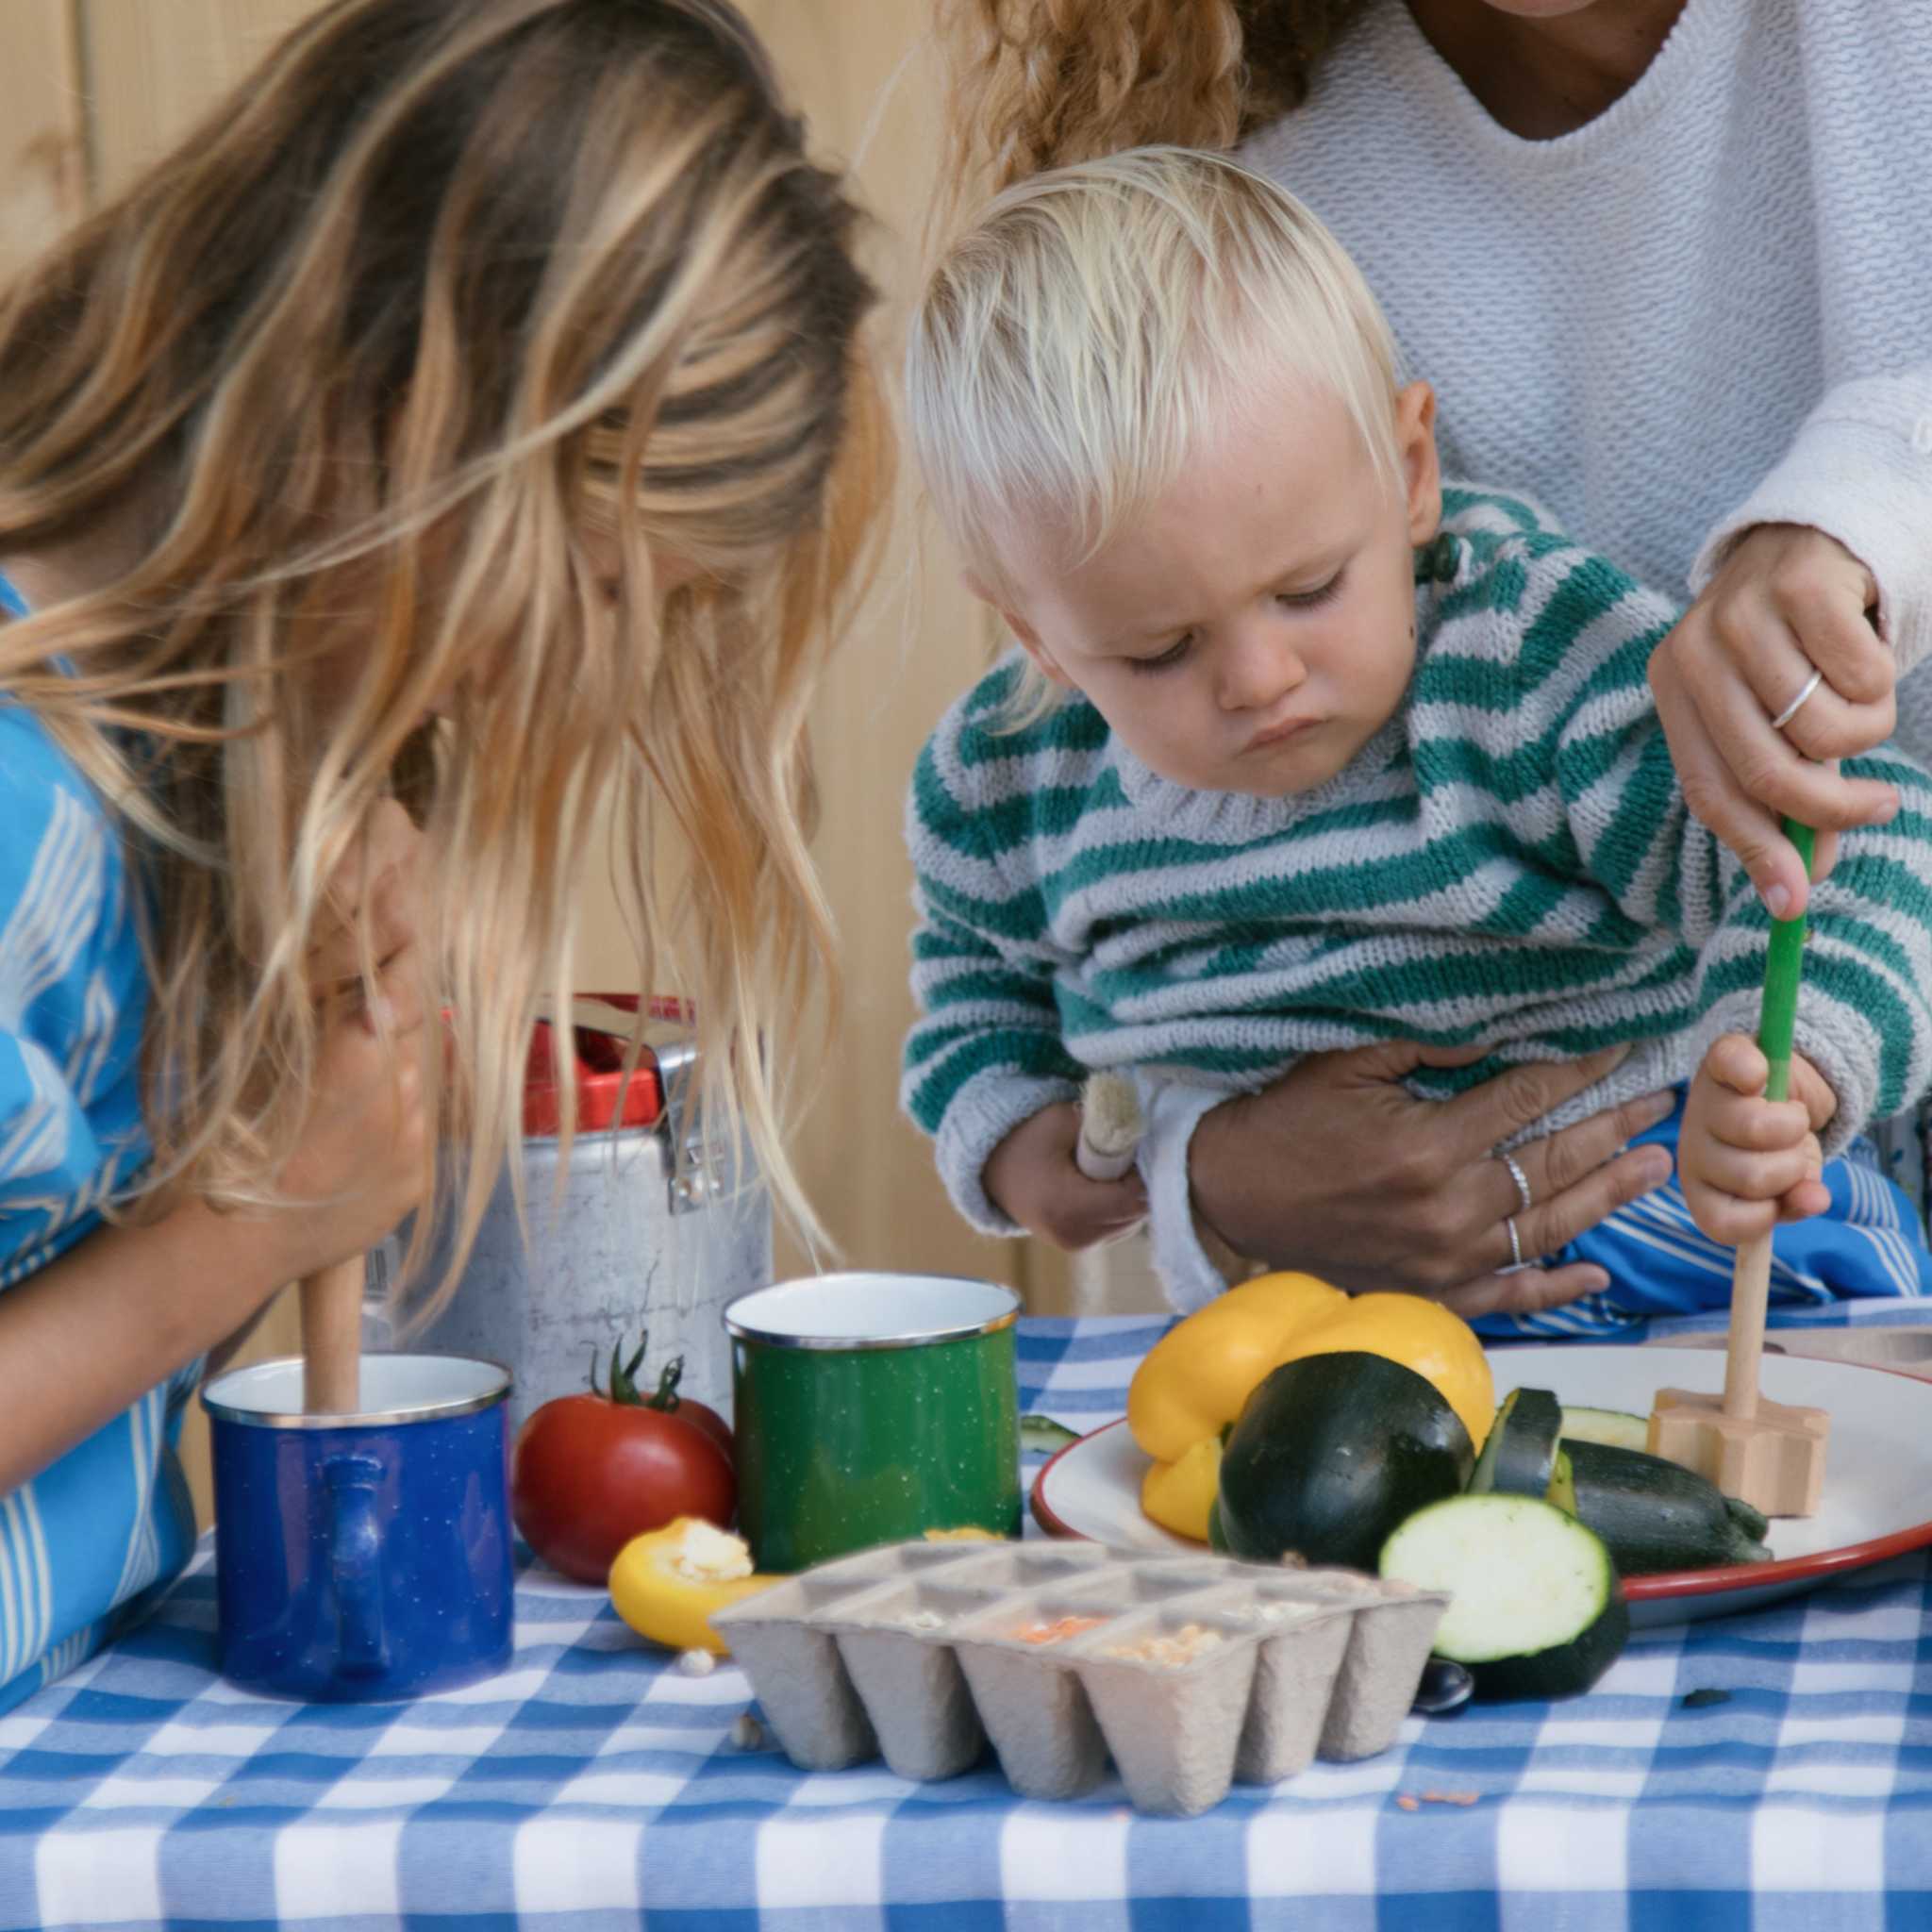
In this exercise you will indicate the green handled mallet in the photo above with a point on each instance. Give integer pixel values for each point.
(1768, 1453)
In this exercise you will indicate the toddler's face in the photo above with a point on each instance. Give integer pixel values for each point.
(1255, 628)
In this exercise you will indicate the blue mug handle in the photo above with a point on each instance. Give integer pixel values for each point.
(354, 1551)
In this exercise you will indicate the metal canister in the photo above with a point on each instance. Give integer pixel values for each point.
(631, 1233)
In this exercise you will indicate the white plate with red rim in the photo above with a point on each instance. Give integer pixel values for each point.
(1877, 1501)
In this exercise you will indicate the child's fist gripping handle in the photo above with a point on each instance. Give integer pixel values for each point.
(1770, 1454)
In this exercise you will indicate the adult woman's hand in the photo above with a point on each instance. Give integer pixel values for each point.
(1788, 601)
(1338, 1170)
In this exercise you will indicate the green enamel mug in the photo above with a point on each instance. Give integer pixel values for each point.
(871, 1407)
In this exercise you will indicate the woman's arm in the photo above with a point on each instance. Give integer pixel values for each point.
(90, 1333)
(1337, 1170)
(1791, 581)
(86, 1336)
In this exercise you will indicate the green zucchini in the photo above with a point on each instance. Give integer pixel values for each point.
(1658, 1515)
(1616, 1427)
(1562, 1495)
(1520, 1452)
(1536, 1609)
(1330, 1452)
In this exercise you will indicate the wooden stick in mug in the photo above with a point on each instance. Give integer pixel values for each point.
(332, 1338)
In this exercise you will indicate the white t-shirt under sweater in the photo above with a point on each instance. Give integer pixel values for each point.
(1709, 307)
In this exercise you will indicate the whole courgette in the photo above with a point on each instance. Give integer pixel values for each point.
(1658, 1515)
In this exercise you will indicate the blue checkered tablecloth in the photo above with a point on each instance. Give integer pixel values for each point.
(596, 1786)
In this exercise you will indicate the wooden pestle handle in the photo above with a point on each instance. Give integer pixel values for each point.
(332, 1338)
(1777, 1019)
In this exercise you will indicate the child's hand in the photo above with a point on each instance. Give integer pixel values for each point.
(1032, 1178)
(1746, 1162)
(362, 1163)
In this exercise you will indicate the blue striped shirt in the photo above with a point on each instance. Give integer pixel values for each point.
(93, 1538)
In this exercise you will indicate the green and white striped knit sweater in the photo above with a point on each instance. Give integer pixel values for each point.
(1508, 860)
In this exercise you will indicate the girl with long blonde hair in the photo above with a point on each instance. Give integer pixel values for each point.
(467, 426)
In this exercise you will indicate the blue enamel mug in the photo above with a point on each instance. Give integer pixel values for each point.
(368, 1556)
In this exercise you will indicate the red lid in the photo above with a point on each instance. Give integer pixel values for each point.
(601, 1085)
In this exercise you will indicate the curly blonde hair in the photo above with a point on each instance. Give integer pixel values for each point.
(447, 293)
(1037, 84)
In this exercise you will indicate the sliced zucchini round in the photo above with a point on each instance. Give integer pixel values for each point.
(1616, 1427)
(1562, 1491)
(1536, 1610)
(1520, 1452)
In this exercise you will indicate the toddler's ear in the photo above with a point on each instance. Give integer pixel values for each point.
(1421, 468)
(1028, 637)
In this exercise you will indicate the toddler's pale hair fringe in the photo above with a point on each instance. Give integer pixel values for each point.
(1076, 346)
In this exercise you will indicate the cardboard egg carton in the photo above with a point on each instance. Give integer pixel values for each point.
(1185, 1672)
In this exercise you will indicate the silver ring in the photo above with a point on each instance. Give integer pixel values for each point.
(1515, 1245)
(1797, 704)
(1522, 1180)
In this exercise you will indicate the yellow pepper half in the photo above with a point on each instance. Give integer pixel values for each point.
(1194, 1381)
(1178, 1494)
(666, 1584)
(1422, 1335)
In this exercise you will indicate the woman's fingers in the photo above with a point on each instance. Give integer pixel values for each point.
(1561, 1161)
(1550, 1224)
(1779, 768)
(1719, 801)
(398, 1004)
(1788, 602)
(1525, 1291)
(1770, 668)
(1829, 600)
(376, 897)
(1481, 1120)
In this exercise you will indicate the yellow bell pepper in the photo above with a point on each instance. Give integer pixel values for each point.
(1178, 1494)
(1422, 1335)
(1194, 1380)
(666, 1584)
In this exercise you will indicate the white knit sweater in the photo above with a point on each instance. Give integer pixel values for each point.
(1710, 308)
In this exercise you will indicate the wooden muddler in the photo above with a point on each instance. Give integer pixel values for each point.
(332, 1338)
(1111, 1127)
(1768, 1453)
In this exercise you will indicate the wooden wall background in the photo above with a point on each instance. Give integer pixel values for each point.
(92, 89)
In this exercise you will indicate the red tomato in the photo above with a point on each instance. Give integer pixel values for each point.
(624, 1386)
(711, 1421)
(591, 1472)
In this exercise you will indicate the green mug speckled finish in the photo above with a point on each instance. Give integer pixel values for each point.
(871, 1407)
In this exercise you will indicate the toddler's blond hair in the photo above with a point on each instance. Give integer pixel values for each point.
(1076, 345)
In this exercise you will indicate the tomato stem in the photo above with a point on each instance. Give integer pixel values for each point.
(623, 1378)
(666, 1397)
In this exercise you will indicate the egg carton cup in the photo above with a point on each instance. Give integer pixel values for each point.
(1186, 1673)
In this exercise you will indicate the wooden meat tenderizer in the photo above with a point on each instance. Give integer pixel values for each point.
(332, 1338)
(1111, 1127)
(1769, 1454)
